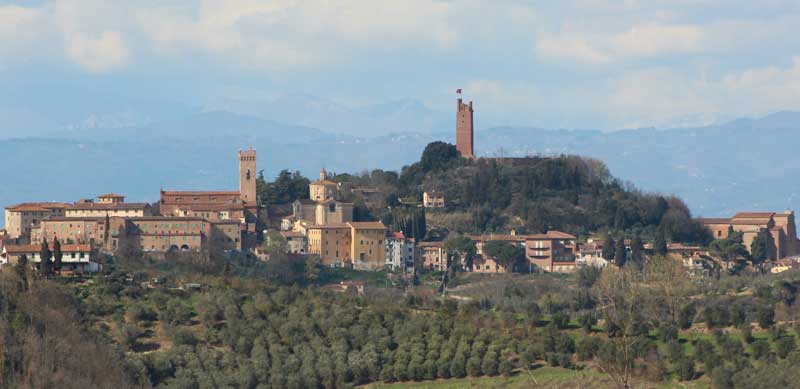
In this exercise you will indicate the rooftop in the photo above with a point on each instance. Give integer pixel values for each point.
(107, 206)
(199, 193)
(35, 248)
(36, 207)
(367, 225)
(753, 215)
(110, 195)
(552, 235)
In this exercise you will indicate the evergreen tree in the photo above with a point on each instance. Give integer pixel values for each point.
(21, 268)
(57, 255)
(758, 249)
(609, 249)
(660, 244)
(621, 253)
(46, 265)
(637, 251)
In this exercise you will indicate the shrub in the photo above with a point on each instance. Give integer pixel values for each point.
(784, 346)
(184, 337)
(766, 316)
(684, 367)
(587, 348)
(760, 349)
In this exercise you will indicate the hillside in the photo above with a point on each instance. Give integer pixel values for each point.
(717, 170)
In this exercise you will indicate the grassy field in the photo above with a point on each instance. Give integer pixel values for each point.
(544, 377)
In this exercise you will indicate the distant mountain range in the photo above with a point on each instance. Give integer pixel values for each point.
(746, 164)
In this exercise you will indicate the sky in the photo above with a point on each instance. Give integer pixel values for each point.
(553, 64)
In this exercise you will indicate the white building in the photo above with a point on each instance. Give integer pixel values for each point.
(400, 252)
(75, 257)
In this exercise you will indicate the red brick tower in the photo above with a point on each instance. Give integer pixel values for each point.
(464, 128)
(247, 176)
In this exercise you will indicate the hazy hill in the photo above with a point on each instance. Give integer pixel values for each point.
(744, 164)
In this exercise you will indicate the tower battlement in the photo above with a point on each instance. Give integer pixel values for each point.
(247, 179)
(464, 129)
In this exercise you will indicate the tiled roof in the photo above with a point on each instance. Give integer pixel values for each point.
(36, 207)
(753, 215)
(107, 206)
(35, 248)
(430, 244)
(213, 207)
(110, 195)
(552, 235)
(324, 182)
(367, 225)
(199, 193)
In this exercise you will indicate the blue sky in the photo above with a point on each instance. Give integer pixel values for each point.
(576, 64)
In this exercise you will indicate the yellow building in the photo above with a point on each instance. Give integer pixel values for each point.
(361, 245)
(331, 242)
(323, 188)
(368, 250)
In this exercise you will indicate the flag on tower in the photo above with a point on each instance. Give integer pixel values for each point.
(458, 90)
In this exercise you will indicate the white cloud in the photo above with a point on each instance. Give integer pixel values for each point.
(98, 54)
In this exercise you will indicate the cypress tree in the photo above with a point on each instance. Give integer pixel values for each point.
(57, 255)
(46, 265)
(609, 249)
(621, 253)
(660, 244)
(637, 254)
(21, 268)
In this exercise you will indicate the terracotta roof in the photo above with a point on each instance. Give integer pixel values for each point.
(753, 215)
(396, 235)
(211, 207)
(36, 207)
(327, 226)
(107, 206)
(110, 195)
(367, 225)
(324, 182)
(430, 244)
(552, 235)
(198, 193)
(35, 248)
(490, 237)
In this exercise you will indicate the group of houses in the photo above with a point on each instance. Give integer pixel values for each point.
(185, 221)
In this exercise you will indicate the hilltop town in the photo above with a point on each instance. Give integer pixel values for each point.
(320, 219)
(456, 270)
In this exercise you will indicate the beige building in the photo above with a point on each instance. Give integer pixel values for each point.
(21, 218)
(552, 252)
(433, 200)
(432, 256)
(331, 242)
(323, 188)
(368, 249)
(779, 225)
(322, 212)
(111, 205)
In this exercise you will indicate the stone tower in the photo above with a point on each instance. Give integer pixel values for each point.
(464, 129)
(247, 176)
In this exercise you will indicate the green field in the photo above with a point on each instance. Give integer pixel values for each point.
(544, 377)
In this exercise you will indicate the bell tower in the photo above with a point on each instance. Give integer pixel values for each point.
(247, 176)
